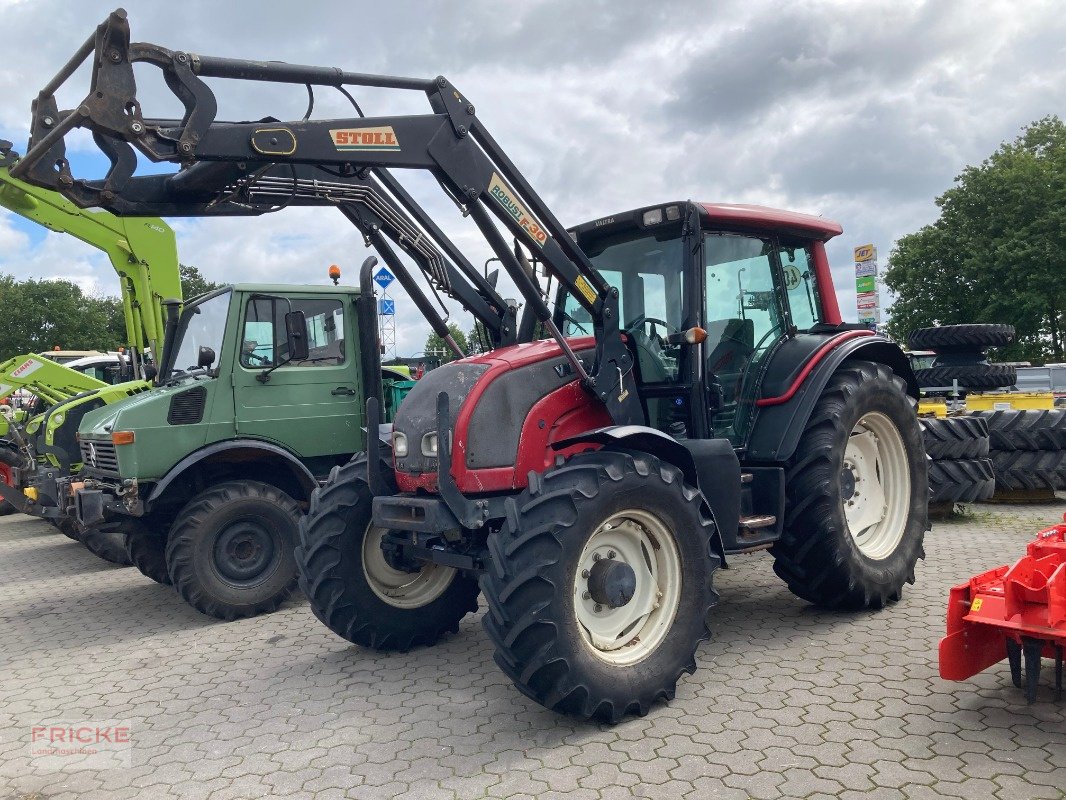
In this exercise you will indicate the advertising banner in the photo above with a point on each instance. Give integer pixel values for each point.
(865, 283)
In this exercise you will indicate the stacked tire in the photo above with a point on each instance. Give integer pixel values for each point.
(960, 356)
(960, 470)
(1028, 448)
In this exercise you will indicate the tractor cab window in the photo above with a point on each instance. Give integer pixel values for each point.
(797, 269)
(264, 342)
(647, 270)
(743, 318)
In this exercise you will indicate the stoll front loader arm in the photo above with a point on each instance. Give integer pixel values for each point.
(450, 143)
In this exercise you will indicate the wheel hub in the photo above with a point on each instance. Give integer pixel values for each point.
(847, 484)
(612, 583)
(243, 551)
(875, 485)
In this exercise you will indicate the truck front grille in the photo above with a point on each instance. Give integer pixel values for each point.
(99, 456)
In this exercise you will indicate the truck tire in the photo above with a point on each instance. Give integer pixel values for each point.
(108, 541)
(978, 376)
(961, 481)
(1025, 430)
(147, 551)
(68, 527)
(948, 338)
(819, 556)
(1030, 469)
(954, 437)
(351, 587)
(230, 550)
(601, 518)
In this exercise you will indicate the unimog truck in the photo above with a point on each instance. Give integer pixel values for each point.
(698, 397)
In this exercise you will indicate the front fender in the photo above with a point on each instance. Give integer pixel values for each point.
(779, 425)
(253, 448)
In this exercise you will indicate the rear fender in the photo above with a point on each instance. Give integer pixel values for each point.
(779, 425)
(710, 465)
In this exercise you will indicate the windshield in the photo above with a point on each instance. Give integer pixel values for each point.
(647, 270)
(202, 325)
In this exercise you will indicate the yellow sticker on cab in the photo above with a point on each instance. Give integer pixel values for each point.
(585, 288)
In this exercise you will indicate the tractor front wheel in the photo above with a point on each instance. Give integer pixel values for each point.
(147, 551)
(600, 585)
(108, 541)
(857, 494)
(352, 587)
(230, 550)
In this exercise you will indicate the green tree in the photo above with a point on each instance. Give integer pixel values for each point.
(998, 251)
(193, 282)
(437, 347)
(42, 314)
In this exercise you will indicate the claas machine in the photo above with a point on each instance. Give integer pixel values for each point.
(696, 397)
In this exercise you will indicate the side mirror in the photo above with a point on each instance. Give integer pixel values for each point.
(205, 357)
(296, 335)
(150, 372)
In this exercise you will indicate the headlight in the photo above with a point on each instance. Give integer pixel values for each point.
(399, 444)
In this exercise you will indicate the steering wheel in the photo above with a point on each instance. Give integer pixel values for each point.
(636, 327)
(650, 348)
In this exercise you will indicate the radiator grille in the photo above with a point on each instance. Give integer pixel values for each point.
(99, 456)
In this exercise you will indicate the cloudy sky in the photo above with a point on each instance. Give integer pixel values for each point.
(859, 111)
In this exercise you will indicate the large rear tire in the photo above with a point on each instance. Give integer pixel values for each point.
(230, 550)
(857, 494)
(354, 591)
(564, 630)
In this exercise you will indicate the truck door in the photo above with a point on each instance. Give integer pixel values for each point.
(312, 407)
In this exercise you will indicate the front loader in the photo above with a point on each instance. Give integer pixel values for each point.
(699, 398)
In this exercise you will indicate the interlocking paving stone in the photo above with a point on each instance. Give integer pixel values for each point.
(788, 701)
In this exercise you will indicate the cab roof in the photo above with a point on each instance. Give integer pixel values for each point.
(772, 218)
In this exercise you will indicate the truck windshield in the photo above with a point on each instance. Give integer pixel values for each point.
(202, 324)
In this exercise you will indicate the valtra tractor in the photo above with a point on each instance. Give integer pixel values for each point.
(698, 397)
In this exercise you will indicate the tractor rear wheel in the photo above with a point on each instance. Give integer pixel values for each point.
(108, 541)
(600, 585)
(230, 550)
(351, 586)
(857, 494)
(147, 550)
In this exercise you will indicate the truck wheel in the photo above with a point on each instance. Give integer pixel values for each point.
(857, 494)
(147, 550)
(229, 552)
(108, 541)
(354, 591)
(68, 527)
(600, 585)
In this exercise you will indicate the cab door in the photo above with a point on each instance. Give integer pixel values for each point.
(745, 317)
(311, 407)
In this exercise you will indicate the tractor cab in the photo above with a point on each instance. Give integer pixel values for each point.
(705, 293)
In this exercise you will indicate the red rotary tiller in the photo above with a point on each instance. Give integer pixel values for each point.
(1015, 612)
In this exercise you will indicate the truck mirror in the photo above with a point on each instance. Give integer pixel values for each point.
(296, 335)
(205, 357)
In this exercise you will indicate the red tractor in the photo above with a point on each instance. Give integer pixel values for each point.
(697, 397)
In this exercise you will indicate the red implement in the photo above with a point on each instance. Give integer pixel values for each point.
(1011, 612)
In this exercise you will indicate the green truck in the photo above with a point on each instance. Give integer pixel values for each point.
(256, 401)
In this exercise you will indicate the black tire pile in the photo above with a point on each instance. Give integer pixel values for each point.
(1028, 448)
(960, 356)
(960, 470)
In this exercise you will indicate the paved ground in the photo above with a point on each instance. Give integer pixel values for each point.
(788, 702)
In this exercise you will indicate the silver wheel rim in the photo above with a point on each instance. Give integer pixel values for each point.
(408, 590)
(631, 632)
(876, 486)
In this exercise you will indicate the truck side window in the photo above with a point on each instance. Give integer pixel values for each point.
(264, 343)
